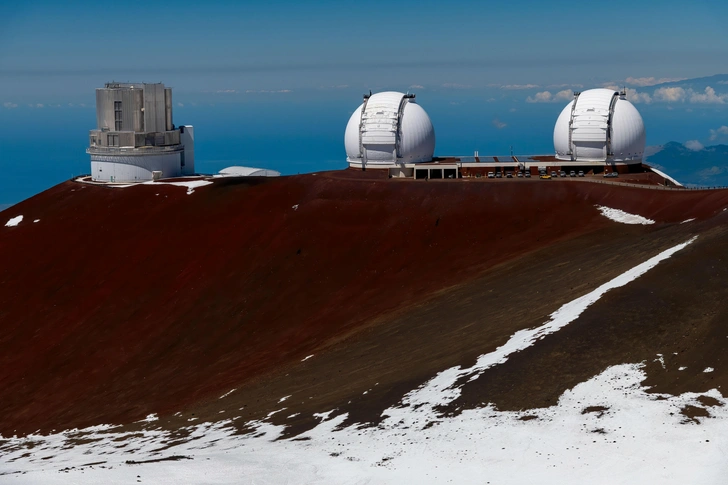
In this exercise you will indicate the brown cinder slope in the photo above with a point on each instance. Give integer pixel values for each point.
(123, 302)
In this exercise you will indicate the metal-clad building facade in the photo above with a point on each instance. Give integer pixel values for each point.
(135, 131)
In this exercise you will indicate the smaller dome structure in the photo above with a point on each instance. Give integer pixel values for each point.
(600, 125)
(389, 129)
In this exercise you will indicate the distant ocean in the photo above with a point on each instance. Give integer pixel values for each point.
(292, 133)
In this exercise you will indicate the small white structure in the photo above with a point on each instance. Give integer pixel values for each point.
(389, 129)
(135, 139)
(238, 171)
(600, 125)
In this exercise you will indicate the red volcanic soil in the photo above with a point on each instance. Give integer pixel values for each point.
(122, 302)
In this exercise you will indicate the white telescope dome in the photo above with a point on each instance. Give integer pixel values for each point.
(388, 129)
(600, 125)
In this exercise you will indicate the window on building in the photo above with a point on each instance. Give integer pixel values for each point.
(113, 140)
(118, 126)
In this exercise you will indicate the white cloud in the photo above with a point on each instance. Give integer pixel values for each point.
(456, 86)
(519, 86)
(636, 97)
(693, 145)
(651, 81)
(719, 133)
(709, 172)
(9, 105)
(268, 91)
(417, 86)
(547, 97)
(708, 97)
(722, 82)
(335, 86)
(557, 86)
(499, 124)
(670, 95)
(611, 86)
(181, 105)
(542, 97)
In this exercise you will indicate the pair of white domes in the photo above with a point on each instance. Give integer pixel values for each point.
(389, 128)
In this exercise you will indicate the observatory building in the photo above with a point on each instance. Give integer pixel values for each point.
(600, 125)
(598, 132)
(389, 130)
(135, 139)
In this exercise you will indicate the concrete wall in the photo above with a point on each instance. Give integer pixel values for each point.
(187, 139)
(123, 168)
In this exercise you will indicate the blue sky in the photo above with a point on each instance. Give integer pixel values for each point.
(273, 83)
(295, 45)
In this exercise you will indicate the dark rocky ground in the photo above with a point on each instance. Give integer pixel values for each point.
(119, 303)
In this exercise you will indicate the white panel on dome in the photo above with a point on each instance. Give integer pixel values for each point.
(379, 121)
(589, 133)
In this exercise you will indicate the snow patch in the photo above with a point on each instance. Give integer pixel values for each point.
(283, 398)
(708, 369)
(227, 393)
(687, 220)
(275, 412)
(14, 221)
(191, 185)
(37, 220)
(419, 406)
(306, 358)
(624, 217)
(323, 416)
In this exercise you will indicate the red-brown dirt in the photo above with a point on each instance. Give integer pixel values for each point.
(123, 302)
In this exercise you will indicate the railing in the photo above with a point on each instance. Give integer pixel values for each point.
(145, 150)
(645, 186)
